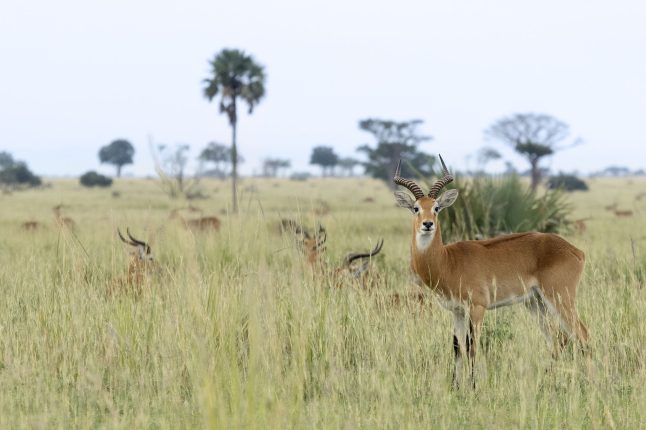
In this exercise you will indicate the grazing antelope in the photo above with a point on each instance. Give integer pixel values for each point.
(30, 225)
(61, 220)
(201, 223)
(142, 265)
(580, 225)
(624, 213)
(540, 270)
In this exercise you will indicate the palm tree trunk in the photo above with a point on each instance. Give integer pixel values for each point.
(536, 173)
(234, 166)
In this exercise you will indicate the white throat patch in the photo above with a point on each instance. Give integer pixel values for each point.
(423, 241)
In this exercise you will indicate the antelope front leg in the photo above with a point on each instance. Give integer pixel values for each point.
(459, 343)
(476, 316)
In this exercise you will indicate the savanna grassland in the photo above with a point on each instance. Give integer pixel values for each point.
(234, 332)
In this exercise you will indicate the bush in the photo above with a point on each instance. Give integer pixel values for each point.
(17, 174)
(489, 206)
(94, 179)
(566, 183)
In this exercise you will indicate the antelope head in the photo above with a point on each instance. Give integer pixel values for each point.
(143, 252)
(425, 208)
(314, 245)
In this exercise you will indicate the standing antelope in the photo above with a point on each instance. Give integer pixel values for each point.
(141, 266)
(540, 270)
(201, 223)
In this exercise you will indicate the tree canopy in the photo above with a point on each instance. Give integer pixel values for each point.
(15, 173)
(325, 157)
(534, 136)
(395, 141)
(118, 153)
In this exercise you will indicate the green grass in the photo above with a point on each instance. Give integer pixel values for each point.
(235, 333)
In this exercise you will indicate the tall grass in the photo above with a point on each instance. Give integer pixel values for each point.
(237, 333)
(489, 206)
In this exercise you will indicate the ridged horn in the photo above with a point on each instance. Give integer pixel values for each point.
(355, 256)
(408, 183)
(442, 182)
(138, 242)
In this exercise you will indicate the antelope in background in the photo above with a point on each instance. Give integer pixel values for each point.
(200, 223)
(539, 270)
(61, 220)
(142, 265)
(30, 225)
(355, 265)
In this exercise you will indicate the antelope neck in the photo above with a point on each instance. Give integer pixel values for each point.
(427, 262)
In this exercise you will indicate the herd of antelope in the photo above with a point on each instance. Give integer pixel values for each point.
(538, 270)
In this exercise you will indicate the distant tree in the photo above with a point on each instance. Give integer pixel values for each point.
(16, 173)
(487, 154)
(235, 75)
(170, 164)
(395, 141)
(272, 166)
(615, 171)
(6, 160)
(94, 179)
(221, 156)
(325, 157)
(348, 164)
(534, 136)
(118, 153)
(566, 182)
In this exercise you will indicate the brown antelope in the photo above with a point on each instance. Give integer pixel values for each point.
(540, 270)
(201, 223)
(142, 265)
(30, 225)
(61, 220)
(624, 213)
(355, 265)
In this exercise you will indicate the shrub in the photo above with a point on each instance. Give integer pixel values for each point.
(94, 179)
(566, 183)
(489, 206)
(18, 174)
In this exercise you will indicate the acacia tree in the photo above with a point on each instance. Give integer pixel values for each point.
(348, 164)
(220, 155)
(395, 141)
(118, 153)
(235, 76)
(325, 157)
(534, 136)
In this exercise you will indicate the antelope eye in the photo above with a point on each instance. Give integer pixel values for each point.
(437, 209)
(415, 209)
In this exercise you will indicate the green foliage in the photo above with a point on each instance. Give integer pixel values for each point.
(325, 157)
(118, 153)
(395, 141)
(567, 183)
(534, 136)
(488, 206)
(16, 173)
(234, 75)
(94, 179)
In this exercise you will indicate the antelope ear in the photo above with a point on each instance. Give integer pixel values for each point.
(447, 199)
(404, 200)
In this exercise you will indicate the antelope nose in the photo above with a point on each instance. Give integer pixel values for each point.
(427, 224)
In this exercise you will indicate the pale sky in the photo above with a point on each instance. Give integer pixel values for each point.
(78, 74)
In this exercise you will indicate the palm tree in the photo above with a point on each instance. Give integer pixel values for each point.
(235, 75)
